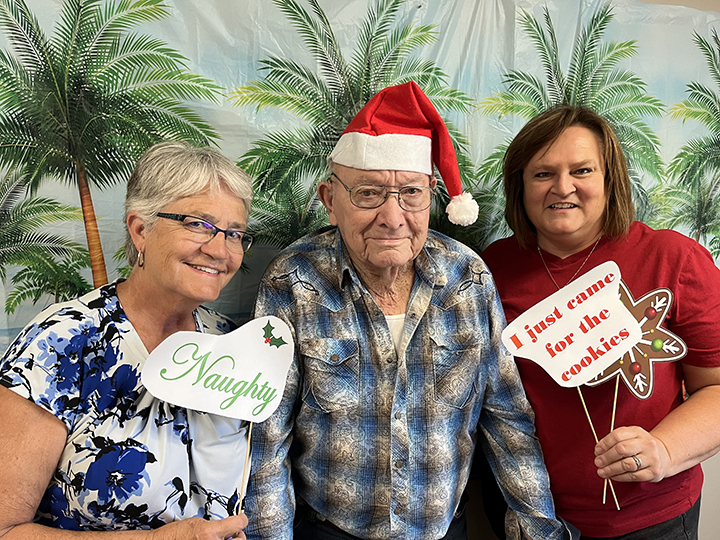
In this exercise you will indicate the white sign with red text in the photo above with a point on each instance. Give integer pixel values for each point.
(579, 331)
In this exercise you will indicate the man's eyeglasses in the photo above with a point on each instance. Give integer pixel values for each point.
(203, 231)
(410, 198)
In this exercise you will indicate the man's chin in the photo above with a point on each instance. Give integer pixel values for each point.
(389, 258)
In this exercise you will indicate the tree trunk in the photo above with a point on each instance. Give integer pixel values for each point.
(97, 260)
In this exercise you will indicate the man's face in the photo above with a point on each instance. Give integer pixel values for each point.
(383, 238)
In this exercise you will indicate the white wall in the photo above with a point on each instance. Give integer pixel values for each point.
(710, 506)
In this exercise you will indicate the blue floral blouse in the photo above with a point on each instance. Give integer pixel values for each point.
(130, 461)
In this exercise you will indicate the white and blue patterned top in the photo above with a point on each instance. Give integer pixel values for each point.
(130, 461)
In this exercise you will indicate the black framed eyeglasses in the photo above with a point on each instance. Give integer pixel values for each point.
(203, 231)
(368, 196)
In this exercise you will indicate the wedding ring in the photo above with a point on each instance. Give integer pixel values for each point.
(637, 462)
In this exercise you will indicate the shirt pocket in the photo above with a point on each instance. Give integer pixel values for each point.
(331, 379)
(456, 367)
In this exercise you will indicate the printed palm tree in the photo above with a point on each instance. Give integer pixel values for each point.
(695, 170)
(693, 207)
(328, 101)
(592, 80)
(82, 106)
(22, 221)
(44, 275)
(279, 220)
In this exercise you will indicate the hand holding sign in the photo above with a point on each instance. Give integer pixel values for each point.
(577, 332)
(240, 375)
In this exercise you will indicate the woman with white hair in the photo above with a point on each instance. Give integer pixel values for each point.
(85, 447)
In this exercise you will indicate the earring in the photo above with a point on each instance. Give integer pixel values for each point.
(141, 259)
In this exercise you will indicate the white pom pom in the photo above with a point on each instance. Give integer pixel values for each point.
(462, 210)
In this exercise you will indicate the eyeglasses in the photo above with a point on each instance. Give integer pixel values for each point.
(203, 231)
(410, 198)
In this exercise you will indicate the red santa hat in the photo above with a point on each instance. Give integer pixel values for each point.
(400, 130)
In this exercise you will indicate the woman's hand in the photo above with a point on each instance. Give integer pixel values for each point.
(200, 529)
(615, 454)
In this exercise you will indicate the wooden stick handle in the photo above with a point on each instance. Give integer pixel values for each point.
(612, 427)
(592, 427)
(238, 505)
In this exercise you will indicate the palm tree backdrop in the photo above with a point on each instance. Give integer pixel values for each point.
(44, 275)
(592, 80)
(691, 197)
(82, 106)
(285, 161)
(24, 241)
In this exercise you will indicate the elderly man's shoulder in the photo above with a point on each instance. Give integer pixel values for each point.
(441, 246)
(311, 259)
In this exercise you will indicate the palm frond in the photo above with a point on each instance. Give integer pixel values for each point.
(696, 209)
(697, 158)
(281, 158)
(44, 275)
(392, 52)
(425, 73)
(320, 40)
(513, 103)
(372, 39)
(490, 170)
(293, 213)
(585, 52)
(546, 45)
(310, 99)
(24, 33)
(328, 97)
(712, 57)
(703, 105)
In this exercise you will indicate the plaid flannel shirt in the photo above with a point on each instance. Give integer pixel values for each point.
(381, 443)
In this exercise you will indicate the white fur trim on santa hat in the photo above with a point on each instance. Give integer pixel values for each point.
(462, 210)
(388, 152)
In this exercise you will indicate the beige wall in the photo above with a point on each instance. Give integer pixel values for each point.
(706, 5)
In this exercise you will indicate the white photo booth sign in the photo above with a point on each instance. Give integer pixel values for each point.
(240, 374)
(579, 331)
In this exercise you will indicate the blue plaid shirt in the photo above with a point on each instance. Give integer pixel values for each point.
(381, 443)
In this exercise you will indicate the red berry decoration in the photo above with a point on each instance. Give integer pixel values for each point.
(635, 368)
(650, 313)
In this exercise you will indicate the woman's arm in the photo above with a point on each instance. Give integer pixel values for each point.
(31, 443)
(684, 438)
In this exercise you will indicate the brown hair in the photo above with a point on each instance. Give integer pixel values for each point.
(545, 128)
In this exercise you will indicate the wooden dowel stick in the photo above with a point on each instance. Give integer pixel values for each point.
(592, 427)
(238, 505)
(612, 427)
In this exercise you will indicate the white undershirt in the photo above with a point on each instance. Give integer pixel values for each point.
(396, 324)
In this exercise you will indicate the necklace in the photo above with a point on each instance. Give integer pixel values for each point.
(576, 272)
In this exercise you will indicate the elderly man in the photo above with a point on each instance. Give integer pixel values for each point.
(399, 367)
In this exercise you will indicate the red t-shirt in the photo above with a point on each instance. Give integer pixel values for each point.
(648, 260)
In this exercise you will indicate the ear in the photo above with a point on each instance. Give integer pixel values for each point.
(433, 181)
(136, 228)
(325, 194)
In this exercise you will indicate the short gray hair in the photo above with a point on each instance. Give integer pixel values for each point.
(172, 170)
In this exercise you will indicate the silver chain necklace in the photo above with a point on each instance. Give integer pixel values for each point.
(576, 272)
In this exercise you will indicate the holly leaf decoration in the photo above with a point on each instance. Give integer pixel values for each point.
(270, 339)
(268, 328)
(277, 342)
